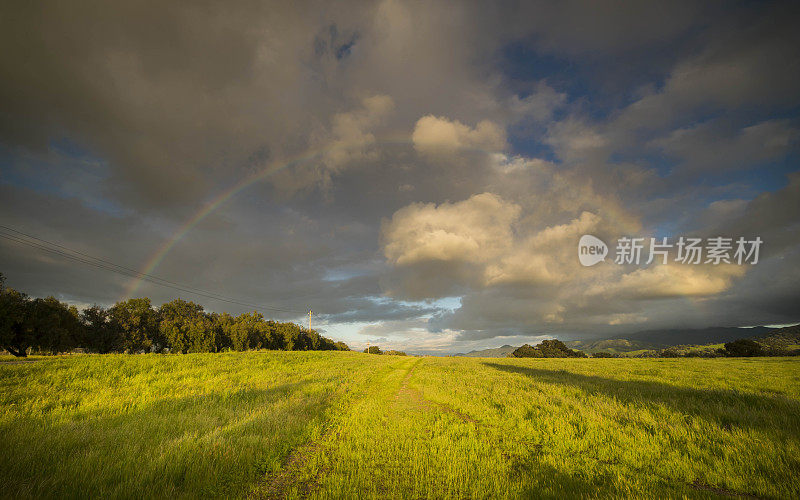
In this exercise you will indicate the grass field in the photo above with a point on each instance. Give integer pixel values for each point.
(339, 424)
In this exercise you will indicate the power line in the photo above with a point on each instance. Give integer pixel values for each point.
(139, 273)
(126, 271)
(91, 260)
(148, 278)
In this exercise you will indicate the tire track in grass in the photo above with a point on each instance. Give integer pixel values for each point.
(291, 478)
(401, 437)
(304, 471)
(17, 361)
(724, 492)
(415, 397)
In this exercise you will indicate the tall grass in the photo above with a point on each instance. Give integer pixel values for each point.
(558, 428)
(335, 424)
(154, 425)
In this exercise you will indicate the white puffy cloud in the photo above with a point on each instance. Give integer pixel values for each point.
(486, 238)
(543, 257)
(515, 273)
(437, 135)
(672, 280)
(474, 230)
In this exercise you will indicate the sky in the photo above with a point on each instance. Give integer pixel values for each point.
(417, 173)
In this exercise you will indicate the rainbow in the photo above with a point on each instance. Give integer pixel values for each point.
(615, 212)
(158, 256)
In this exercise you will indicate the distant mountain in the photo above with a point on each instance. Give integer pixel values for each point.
(498, 352)
(609, 345)
(654, 340)
(782, 338)
(774, 342)
(713, 335)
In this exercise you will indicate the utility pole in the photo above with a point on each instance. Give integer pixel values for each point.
(309, 319)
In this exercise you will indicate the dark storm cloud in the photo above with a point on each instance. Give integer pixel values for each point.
(74, 226)
(459, 151)
(170, 95)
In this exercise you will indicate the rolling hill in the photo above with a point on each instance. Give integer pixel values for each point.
(651, 340)
(712, 335)
(498, 352)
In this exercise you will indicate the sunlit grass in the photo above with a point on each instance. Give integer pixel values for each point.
(336, 424)
(119, 425)
(566, 428)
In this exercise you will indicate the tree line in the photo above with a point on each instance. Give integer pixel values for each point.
(49, 326)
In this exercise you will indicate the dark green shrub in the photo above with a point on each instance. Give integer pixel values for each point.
(547, 349)
(743, 348)
(526, 351)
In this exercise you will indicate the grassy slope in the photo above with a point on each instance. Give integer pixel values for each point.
(378, 426)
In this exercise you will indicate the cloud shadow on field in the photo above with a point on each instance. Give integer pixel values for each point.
(729, 409)
(211, 444)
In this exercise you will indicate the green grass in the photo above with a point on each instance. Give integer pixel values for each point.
(352, 425)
